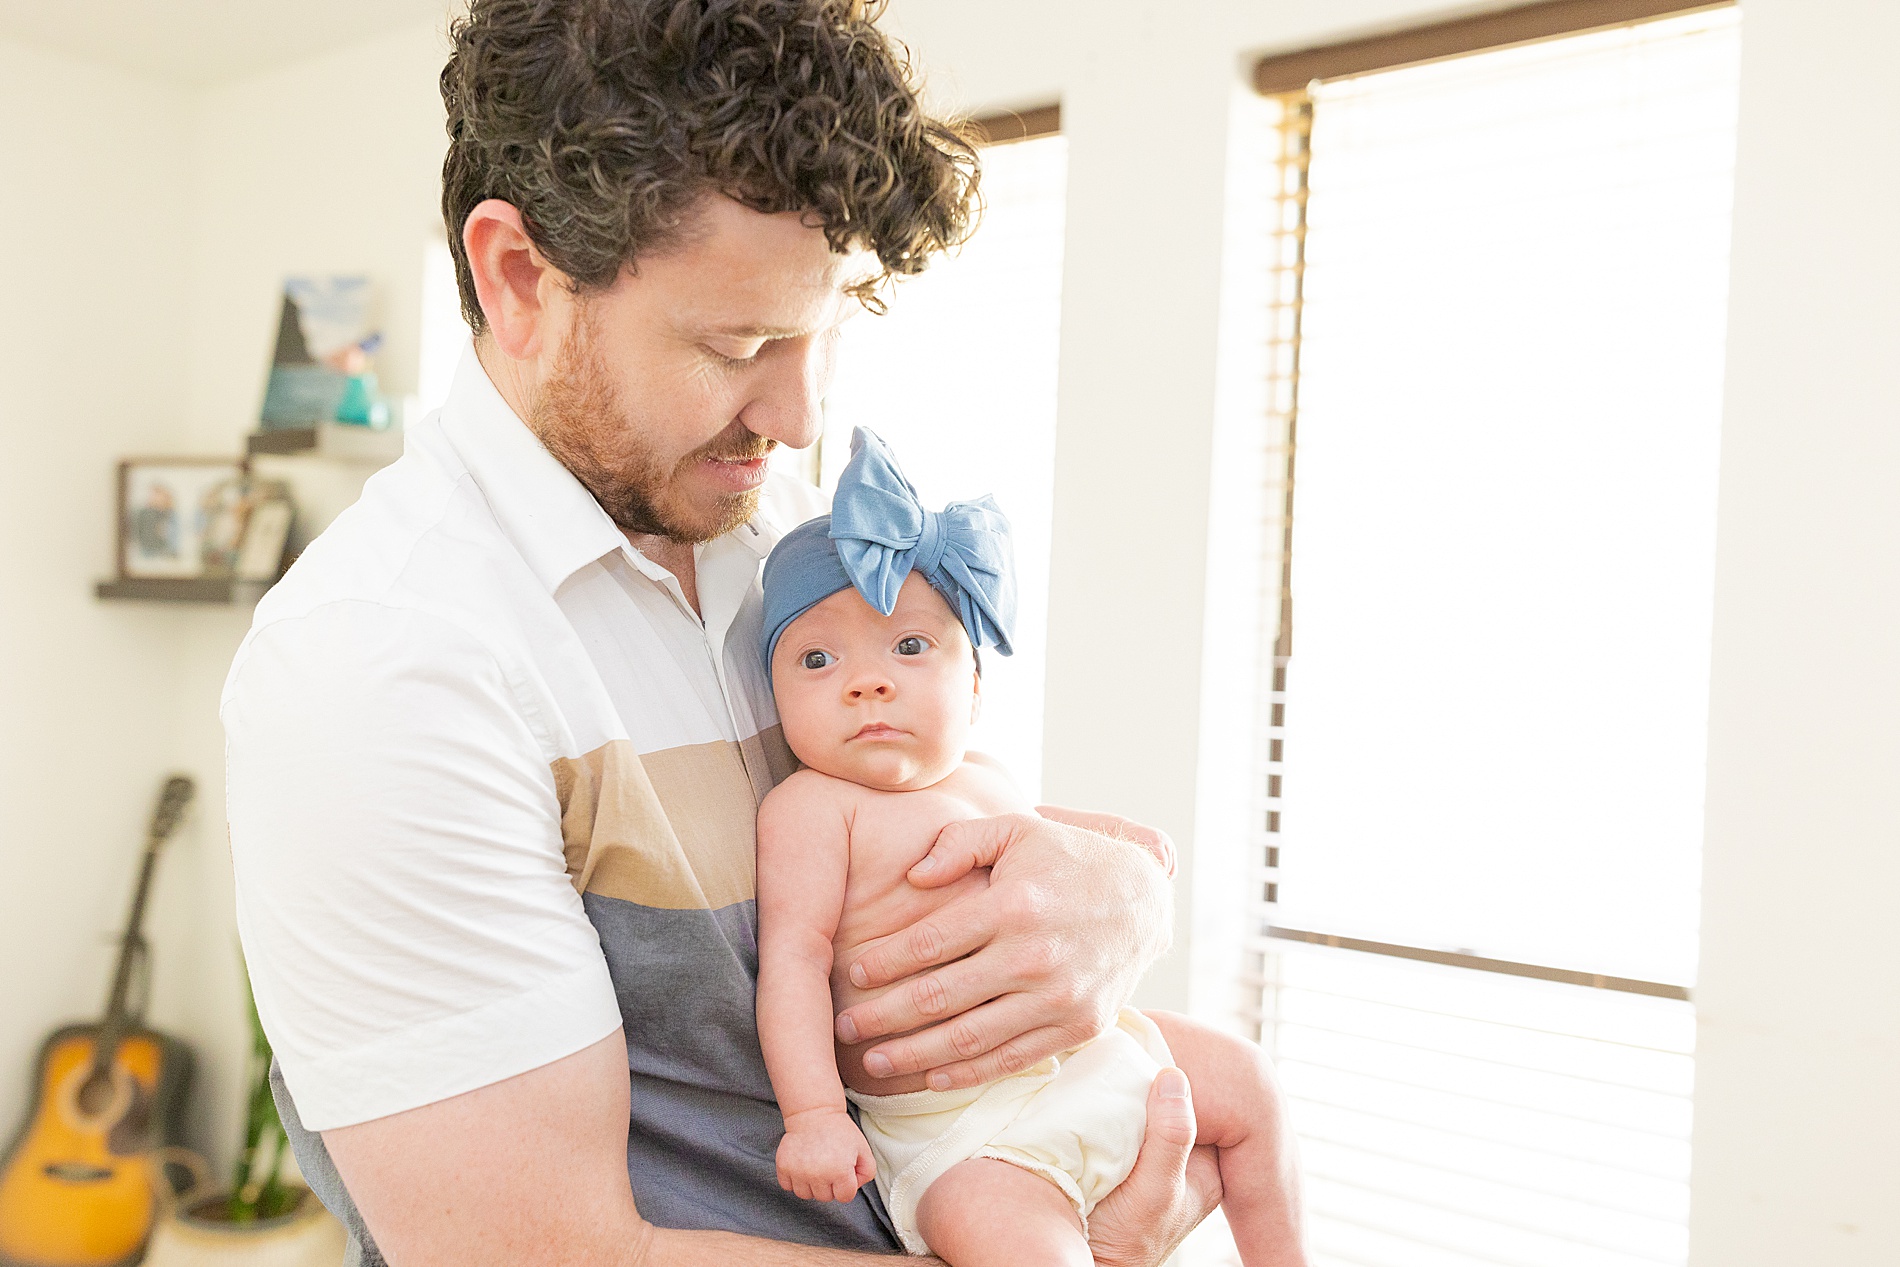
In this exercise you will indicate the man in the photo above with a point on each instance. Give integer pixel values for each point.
(497, 742)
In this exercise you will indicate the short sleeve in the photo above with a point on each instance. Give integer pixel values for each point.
(406, 915)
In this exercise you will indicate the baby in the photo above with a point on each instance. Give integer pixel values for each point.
(873, 618)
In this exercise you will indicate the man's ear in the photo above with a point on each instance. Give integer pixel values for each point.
(512, 279)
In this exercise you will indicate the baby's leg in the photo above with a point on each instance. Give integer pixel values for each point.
(1238, 1108)
(988, 1213)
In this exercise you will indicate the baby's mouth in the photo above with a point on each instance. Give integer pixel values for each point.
(877, 730)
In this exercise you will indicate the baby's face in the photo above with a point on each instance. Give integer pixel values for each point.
(885, 701)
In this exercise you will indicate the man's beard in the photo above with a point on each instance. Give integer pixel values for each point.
(579, 417)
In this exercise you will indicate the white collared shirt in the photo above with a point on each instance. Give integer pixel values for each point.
(492, 785)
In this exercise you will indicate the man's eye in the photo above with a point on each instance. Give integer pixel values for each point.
(815, 659)
(911, 646)
(741, 358)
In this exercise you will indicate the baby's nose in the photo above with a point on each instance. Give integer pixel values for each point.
(874, 688)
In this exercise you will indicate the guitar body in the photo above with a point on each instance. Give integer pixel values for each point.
(79, 1185)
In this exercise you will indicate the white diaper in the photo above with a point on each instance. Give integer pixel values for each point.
(1075, 1119)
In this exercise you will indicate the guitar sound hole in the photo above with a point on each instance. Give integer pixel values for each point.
(96, 1094)
(76, 1172)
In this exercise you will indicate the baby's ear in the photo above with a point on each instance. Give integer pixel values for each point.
(976, 697)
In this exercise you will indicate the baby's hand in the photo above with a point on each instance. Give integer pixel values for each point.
(823, 1156)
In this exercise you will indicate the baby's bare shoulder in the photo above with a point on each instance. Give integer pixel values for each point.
(984, 779)
(807, 792)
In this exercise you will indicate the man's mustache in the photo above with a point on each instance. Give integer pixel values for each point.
(747, 446)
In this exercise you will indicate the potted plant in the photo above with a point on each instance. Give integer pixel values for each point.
(262, 1221)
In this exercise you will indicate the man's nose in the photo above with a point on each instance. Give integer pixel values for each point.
(789, 391)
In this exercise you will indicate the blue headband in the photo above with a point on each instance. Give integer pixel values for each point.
(877, 534)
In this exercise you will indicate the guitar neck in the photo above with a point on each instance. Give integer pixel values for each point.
(118, 1012)
(176, 796)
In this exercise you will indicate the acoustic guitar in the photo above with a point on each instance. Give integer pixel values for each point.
(79, 1186)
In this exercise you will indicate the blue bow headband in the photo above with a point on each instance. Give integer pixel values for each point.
(878, 533)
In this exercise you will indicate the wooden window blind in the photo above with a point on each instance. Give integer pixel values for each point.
(1005, 126)
(1522, 24)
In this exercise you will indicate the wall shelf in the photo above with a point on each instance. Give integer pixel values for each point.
(339, 441)
(221, 590)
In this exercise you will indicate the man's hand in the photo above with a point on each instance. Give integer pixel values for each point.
(1037, 963)
(1118, 828)
(1173, 1186)
(824, 1156)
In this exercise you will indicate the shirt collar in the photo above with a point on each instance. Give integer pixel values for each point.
(548, 514)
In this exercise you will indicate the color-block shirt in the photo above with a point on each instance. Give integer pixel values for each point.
(491, 787)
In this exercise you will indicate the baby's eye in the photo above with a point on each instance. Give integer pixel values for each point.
(815, 659)
(912, 645)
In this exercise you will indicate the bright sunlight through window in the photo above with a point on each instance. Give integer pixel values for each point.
(1490, 737)
(960, 378)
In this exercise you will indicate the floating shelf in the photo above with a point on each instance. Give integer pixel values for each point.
(224, 590)
(336, 440)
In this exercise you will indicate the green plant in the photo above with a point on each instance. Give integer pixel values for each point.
(258, 1190)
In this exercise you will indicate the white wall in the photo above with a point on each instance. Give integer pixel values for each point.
(1797, 1135)
(329, 165)
(92, 352)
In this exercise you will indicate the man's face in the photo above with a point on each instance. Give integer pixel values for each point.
(883, 701)
(675, 382)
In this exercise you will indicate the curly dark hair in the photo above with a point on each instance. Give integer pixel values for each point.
(603, 121)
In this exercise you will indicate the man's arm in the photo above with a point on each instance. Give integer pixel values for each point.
(1035, 964)
(416, 934)
(529, 1172)
(532, 1172)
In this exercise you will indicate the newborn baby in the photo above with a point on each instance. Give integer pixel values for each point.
(873, 618)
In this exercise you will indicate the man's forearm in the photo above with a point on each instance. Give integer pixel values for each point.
(672, 1248)
(463, 1182)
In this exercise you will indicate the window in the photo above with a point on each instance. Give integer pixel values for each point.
(960, 377)
(1498, 346)
(444, 333)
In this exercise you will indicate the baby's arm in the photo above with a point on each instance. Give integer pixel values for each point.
(804, 854)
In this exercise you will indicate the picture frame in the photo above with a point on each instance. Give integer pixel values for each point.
(181, 518)
(266, 533)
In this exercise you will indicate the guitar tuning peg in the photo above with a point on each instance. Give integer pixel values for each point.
(172, 803)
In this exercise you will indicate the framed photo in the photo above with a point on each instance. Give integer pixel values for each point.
(181, 517)
(266, 533)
